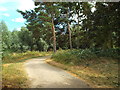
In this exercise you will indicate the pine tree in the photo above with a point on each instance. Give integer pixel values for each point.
(44, 16)
(66, 8)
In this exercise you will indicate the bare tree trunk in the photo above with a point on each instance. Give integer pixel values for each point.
(70, 41)
(54, 37)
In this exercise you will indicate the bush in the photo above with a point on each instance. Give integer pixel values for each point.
(111, 53)
(73, 56)
(82, 55)
(63, 56)
(86, 54)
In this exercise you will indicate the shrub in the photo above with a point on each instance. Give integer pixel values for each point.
(63, 56)
(86, 54)
(82, 55)
(73, 56)
(111, 53)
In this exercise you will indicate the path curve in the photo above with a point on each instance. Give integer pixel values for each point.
(43, 75)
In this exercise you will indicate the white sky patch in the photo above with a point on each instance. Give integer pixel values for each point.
(26, 5)
(22, 4)
(93, 9)
(75, 17)
(6, 1)
(3, 9)
(21, 20)
(19, 28)
(6, 14)
(3, 1)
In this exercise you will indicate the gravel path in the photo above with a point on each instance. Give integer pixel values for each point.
(43, 75)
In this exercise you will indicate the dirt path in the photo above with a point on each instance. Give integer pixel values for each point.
(43, 75)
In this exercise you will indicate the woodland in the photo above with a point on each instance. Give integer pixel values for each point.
(76, 33)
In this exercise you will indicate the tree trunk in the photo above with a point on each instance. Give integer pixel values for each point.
(70, 41)
(54, 36)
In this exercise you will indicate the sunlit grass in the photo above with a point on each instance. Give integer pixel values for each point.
(101, 73)
(20, 57)
(13, 71)
(14, 76)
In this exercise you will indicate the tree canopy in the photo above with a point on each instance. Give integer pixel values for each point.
(66, 25)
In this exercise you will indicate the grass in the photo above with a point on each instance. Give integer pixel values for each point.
(97, 72)
(13, 73)
(14, 76)
(101, 74)
(21, 57)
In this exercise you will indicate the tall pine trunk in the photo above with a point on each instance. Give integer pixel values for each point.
(54, 36)
(70, 40)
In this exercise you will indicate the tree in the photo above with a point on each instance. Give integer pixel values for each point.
(6, 36)
(66, 7)
(51, 10)
(26, 38)
(45, 15)
(15, 40)
(90, 29)
(107, 15)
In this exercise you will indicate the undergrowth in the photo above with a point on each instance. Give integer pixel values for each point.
(98, 67)
(82, 55)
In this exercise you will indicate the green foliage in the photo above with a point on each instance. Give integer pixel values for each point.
(91, 29)
(42, 45)
(6, 36)
(64, 56)
(15, 40)
(73, 56)
(20, 41)
(84, 55)
(110, 53)
(99, 30)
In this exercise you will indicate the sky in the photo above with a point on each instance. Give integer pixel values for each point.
(8, 13)
(12, 18)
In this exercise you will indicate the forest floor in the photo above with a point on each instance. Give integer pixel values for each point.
(43, 75)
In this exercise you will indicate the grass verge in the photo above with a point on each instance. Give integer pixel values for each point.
(14, 76)
(21, 57)
(101, 73)
(13, 73)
